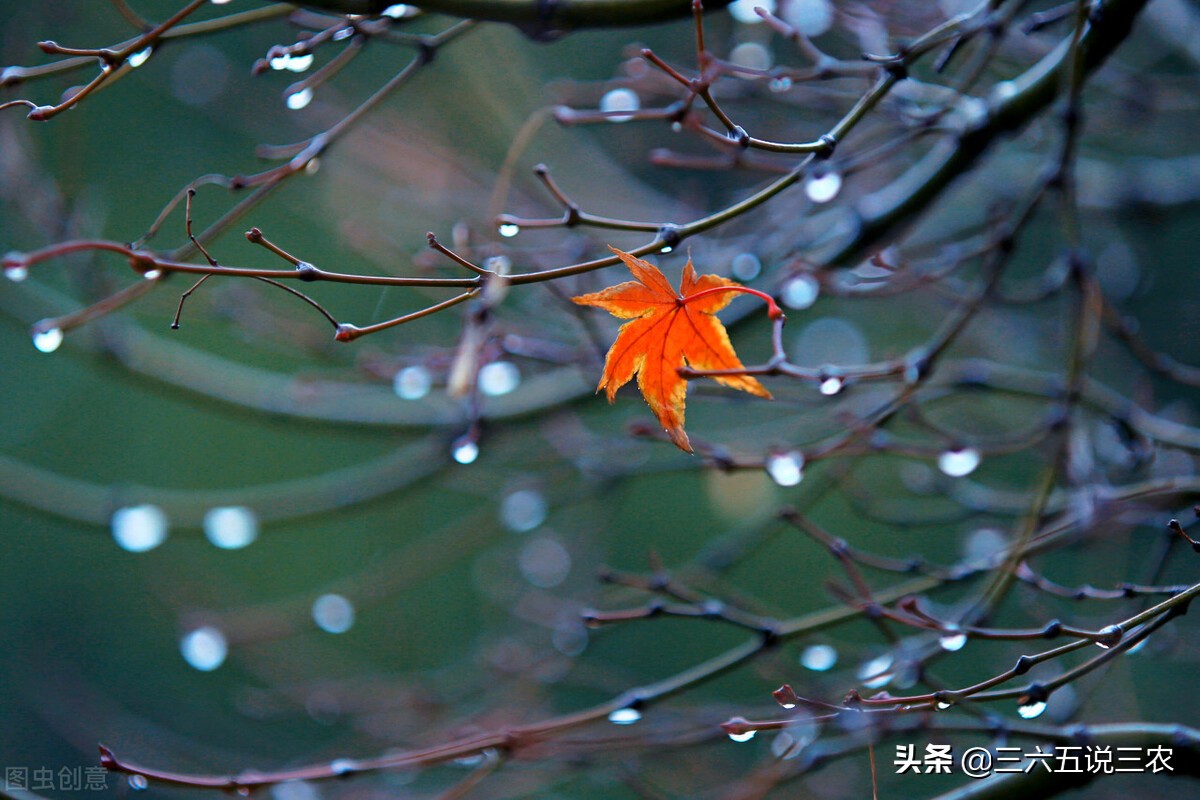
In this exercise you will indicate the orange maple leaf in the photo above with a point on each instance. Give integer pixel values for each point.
(667, 329)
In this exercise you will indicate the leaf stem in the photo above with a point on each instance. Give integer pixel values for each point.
(773, 309)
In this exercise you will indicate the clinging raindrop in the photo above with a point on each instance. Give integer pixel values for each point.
(300, 99)
(621, 99)
(625, 716)
(958, 463)
(786, 469)
(139, 58)
(831, 386)
(464, 450)
(48, 340)
(1031, 710)
(823, 188)
(952, 640)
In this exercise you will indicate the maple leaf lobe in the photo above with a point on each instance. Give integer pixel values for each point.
(667, 329)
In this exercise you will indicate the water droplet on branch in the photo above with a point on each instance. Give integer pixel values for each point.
(624, 716)
(298, 100)
(139, 58)
(959, 463)
(1109, 636)
(953, 640)
(299, 63)
(48, 340)
(786, 469)
(1031, 710)
(821, 188)
(877, 672)
(621, 99)
(464, 450)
